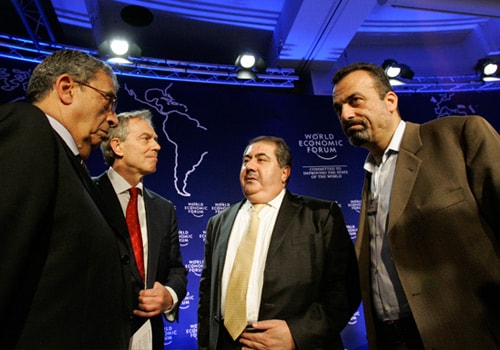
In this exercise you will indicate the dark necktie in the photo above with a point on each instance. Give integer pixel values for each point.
(134, 229)
(82, 164)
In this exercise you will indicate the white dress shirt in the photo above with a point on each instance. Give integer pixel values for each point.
(121, 187)
(267, 219)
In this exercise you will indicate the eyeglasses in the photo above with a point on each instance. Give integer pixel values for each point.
(110, 97)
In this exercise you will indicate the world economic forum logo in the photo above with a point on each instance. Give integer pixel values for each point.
(195, 266)
(170, 334)
(186, 302)
(197, 209)
(324, 145)
(184, 237)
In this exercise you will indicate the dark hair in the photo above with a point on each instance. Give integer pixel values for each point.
(283, 153)
(78, 64)
(381, 81)
(121, 131)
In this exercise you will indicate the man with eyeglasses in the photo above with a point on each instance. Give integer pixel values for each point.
(101, 133)
(108, 96)
(65, 272)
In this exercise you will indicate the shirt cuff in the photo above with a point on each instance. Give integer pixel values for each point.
(170, 314)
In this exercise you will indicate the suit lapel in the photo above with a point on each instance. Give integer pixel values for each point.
(363, 235)
(154, 219)
(287, 213)
(407, 168)
(113, 210)
(114, 215)
(82, 174)
(225, 231)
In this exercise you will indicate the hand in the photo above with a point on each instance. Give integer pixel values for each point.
(153, 301)
(269, 334)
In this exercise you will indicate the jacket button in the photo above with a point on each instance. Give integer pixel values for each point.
(125, 259)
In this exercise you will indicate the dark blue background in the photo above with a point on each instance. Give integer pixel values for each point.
(203, 130)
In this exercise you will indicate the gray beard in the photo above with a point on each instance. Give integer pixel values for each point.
(359, 138)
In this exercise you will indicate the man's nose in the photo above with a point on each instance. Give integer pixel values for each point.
(156, 145)
(112, 119)
(250, 166)
(347, 113)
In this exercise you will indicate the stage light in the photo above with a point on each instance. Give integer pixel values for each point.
(397, 71)
(119, 50)
(247, 61)
(248, 64)
(488, 69)
(119, 46)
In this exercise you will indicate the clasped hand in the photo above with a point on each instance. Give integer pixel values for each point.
(269, 334)
(153, 301)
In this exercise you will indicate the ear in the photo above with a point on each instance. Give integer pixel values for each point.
(116, 146)
(64, 87)
(391, 99)
(285, 173)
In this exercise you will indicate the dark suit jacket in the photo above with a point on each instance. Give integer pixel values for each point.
(164, 257)
(310, 276)
(444, 232)
(63, 280)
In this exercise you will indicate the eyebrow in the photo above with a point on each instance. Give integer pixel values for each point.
(350, 97)
(257, 155)
(152, 135)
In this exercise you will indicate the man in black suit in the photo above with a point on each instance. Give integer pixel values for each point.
(131, 151)
(303, 287)
(63, 268)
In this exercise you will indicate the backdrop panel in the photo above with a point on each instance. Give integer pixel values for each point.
(203, 130)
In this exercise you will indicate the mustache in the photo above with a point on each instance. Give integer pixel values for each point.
(346, 126)
(352, 122)
(251, 174)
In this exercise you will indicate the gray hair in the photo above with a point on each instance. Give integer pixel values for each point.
(78, 64)
(121, 131)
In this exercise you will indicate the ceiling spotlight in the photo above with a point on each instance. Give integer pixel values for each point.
(247, 61)
(248, 65)
(119, 51)
(119, 47)
(488, 69)
(396, 71)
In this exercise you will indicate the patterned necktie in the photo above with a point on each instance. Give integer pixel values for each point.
(82, 164)
(235, 315)
(134, 229)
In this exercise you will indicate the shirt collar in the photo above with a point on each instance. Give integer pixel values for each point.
(64, 134)
(120, 185)
(393, 147)
(274, 203)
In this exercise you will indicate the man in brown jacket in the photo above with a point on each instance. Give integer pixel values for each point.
(429, 230)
